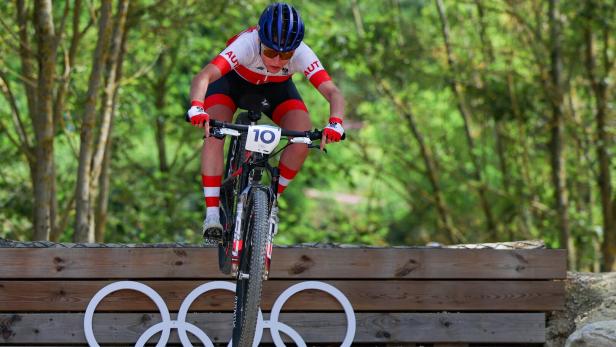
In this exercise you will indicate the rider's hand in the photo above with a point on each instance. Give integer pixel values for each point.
(332, 132)
(197, 116)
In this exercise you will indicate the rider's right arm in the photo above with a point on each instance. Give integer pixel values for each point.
(207, 75)
(237, 52)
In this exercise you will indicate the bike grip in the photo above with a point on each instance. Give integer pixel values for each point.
(318, 134)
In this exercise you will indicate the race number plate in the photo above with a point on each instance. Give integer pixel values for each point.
(262, 138)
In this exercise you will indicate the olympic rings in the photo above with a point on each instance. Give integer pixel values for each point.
(182, 326)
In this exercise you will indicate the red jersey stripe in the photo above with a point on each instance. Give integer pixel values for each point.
(222, 65)
(319, 77)
(284, 107)
(219, 99)
(257, 78)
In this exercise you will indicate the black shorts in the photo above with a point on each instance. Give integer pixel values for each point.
(274, 99)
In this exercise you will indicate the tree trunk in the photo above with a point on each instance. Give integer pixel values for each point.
(42, 119)
(599, 87)
(107, 113)
(160, 90)
(559, 175)
(499, 140)
(68, 66)
(488, 51)
(526, 190)
(23, 141)
(613, 236)
(102, 199)
(466, 115)
(83, 231)
(605, 177)
(102, 202)
(25, 54)
(488, 56)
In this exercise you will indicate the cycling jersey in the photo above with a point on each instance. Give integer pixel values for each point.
(243, 54)
(244, 77)
(274, 99)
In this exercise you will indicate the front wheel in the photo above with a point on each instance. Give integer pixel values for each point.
(251, 269)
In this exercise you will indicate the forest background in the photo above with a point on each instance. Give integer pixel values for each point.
(467, 121)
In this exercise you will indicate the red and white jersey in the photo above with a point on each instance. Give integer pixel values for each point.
(243, 55)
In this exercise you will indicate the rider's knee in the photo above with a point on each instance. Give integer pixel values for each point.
(296, 120)
(213, 146)
(299, 150)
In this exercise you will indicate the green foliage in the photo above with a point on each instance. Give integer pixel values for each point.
(374, 188)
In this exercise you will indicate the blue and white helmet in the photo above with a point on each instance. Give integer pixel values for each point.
(280, 27)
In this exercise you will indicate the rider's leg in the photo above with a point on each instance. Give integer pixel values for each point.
(212, 167)
(293, 156)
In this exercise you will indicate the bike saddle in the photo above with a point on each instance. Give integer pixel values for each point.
(255, 104)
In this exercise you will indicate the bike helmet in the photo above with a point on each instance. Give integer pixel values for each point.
(280, 27)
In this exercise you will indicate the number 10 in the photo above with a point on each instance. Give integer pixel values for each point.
(266, 136)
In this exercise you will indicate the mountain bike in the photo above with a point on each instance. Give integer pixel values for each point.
(249, 211)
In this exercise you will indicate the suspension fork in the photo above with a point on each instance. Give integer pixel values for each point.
(273, 230)
(273, 220)
(238, 243)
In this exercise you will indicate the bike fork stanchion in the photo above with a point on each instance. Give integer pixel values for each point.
(272, 231)
(238, 244)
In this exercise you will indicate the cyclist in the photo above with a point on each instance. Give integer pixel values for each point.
(259, 62)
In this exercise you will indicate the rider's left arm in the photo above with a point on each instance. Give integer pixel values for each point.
(336, 105)
(334, 96)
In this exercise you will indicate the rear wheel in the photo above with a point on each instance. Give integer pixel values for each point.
(252, 264)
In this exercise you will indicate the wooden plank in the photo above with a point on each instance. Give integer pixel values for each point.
(47, 296)
(126, 328)
(288, 263)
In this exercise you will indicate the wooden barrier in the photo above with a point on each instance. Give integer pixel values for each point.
(400, 296)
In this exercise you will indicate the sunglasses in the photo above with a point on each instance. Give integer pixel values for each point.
(272, 53)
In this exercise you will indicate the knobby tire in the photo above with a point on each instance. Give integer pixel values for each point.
(248, 291)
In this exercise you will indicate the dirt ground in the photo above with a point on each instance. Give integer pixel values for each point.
(591, 297)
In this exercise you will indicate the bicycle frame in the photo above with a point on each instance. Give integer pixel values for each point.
(250, 179)
(250, 225)
(244, 172)
(249, 175)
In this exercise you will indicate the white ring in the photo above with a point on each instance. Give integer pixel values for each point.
(290, 332)
(202, 289)
(182, 325)
(331, 290)
(114, 287)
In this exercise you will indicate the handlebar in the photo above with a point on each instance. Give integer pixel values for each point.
(311, 134)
